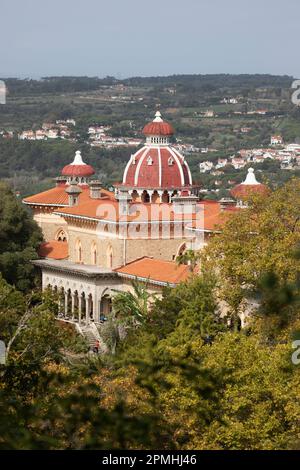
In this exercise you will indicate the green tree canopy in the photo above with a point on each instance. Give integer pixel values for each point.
(19, 239)
(260, 239)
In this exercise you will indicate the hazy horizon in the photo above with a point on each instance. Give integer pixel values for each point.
(161, 38)
(37, 77)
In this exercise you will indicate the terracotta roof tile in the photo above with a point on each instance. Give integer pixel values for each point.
(167, 272)
(54, 250)
(107, 208)
(158, 128)
(245, 190)
(214, 217)
(160, 173)
(58, 197)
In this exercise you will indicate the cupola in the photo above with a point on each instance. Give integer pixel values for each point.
(78, 171)
(249, 186)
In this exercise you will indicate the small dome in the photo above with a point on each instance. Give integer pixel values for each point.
(249, 186)
(158, 127)
(78, 167)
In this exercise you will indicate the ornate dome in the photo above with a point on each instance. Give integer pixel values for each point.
(78, 168)
(158, 127)
(249, 186)
(157, 165)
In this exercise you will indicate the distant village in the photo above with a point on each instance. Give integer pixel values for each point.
(99, 136)
(288, 156)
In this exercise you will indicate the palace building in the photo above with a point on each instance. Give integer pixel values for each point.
(98, 241)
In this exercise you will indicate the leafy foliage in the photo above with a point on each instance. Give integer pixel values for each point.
(256, 241)
(181, 379)
(19, 240)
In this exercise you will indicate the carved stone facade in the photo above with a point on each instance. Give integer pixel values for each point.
(84, 292)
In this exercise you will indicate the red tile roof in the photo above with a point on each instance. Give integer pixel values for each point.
(54, 250)
(107, 208)
(58, 197)
(242, 191)
(77, 170)
(214, 217)
(168, 169)
(155, 270)
(158, 128)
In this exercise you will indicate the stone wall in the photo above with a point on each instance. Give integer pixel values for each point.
(117, 251)
(50, 224)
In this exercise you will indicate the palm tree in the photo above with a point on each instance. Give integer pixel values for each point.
(189, 257)
(132, 307)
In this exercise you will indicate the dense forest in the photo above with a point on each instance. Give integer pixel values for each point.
(29, 165)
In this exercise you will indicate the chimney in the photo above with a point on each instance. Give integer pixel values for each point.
(185, 204)
(60, 180)
(124, 199)
(73, 192)
(95, 189)
(226, 202)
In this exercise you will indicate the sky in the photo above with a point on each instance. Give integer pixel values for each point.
(125, 38)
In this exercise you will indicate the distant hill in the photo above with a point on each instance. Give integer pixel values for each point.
(218, 80)
(63, 84)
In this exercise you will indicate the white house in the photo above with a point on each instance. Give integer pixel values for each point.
(276, 140)
(52, 134)
(238, 163)
(205, 166)
(293, 148)
(221, 163)
(40, 134)
(27, 135)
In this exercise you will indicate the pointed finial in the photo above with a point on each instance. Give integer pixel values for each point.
(251, 179)
(158, 117)
(78, 159)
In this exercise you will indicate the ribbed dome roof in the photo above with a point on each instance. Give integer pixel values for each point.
(158, 127)
(78, 167)
(249, 186)
(157, 167)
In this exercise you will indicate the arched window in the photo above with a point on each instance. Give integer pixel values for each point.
(170, 161)
(61, 236)
(109, 255)
(78, 251)
(145, 197)
(94, 253)
(149, 161)
(181, 249)
(165, 197)
(134, 195)
(155, 197)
